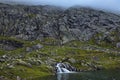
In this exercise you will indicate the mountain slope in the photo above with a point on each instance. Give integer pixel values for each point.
(34, 38)
(37, 22)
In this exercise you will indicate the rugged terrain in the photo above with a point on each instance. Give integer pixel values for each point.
(34, 38)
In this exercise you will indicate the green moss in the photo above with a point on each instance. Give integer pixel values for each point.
(25, 72)
(51, 41)
(31, 15)
(2, 52)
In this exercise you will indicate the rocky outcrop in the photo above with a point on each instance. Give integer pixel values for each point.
(35, 47)
(10, 44)
(38, 22)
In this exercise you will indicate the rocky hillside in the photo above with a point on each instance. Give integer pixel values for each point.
(38, 22)
(34, 38)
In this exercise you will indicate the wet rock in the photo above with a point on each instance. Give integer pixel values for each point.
(66, 66)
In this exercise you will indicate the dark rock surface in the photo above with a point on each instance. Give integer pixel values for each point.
(10, 44)
(38, 22)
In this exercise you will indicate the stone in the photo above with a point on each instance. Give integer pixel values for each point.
(34, 61)
(18, 78)
(35, 47)
(28, 49)
(118, 45)
(2, 78)
(23, 63)
(50, 61)
(4, 56)
(2, 60)
(10, 66)
(72, 60)
(38, 46)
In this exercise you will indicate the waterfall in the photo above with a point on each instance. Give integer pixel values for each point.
(59, 70)
(64, 68)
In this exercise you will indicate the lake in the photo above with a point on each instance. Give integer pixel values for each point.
(94, 75)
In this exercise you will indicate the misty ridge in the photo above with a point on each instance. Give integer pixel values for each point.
(106, 5)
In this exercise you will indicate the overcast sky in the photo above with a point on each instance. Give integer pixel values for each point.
(113, 5)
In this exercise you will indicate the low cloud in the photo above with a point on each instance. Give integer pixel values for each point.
(110, 5)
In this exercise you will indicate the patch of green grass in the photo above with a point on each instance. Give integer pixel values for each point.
(2, 52)
(25, 72)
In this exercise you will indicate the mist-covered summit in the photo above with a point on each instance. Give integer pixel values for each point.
(110, 5)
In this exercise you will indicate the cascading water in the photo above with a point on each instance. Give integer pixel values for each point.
(64, 68)
(61, 69)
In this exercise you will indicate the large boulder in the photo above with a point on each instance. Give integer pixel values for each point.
(35, 47)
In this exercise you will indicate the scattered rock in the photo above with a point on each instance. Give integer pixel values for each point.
(38, 46)
(10, 66)
(28, 49)
(34, 61)
(18, 78)
(50, 61)
(2, 78)
(10, 44)
(72, 60)
(35, 47)
(23, 63)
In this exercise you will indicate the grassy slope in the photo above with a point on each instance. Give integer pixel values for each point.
(74, 49)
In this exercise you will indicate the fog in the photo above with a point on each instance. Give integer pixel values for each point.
(110, 5)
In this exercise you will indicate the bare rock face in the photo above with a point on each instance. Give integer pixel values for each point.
(10, 44)
(39, 22)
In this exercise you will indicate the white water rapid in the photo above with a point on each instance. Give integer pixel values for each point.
(63, 68)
